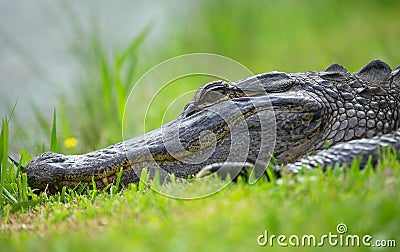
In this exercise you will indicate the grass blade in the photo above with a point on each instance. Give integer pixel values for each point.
(53, 143)
(143, 182)
(12, 110)
(115, 188)
(3, 155)
(9, 196)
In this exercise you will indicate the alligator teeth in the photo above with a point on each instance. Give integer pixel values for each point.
(105, 181)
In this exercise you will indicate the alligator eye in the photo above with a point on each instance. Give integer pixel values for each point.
(205, 99)
(212, 92)
(208, 95)
(212, 96)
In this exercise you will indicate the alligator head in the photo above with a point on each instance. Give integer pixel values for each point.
(279, 114)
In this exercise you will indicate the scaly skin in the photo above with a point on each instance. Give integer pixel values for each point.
(287, 115)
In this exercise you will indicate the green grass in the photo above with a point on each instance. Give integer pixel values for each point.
(262, 35)
(313, 203)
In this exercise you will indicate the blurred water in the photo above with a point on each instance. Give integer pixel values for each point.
(36, 62)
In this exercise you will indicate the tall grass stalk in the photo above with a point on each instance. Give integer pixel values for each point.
(14, 191)
(101, 93)
(53, 142)
(3, 154)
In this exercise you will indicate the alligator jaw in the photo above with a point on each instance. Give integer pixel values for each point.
(182, 147)
(230, 130)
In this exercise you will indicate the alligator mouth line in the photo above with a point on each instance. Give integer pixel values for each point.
(105, 179)
(167, 157)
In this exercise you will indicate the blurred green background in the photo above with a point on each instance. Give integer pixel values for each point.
(294, 35)
(289, 35)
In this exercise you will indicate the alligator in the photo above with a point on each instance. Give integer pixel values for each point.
(301, 120)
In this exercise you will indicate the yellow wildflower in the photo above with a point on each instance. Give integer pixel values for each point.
(71, 142)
